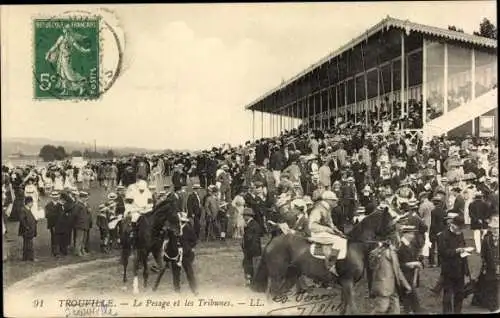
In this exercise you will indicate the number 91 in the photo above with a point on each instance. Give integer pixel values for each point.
(38, 303)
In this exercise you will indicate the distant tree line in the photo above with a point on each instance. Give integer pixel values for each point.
(486, 29)
(51, 153)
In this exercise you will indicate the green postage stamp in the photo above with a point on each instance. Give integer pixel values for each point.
(66, 58)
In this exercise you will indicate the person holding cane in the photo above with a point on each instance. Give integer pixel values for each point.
(408, 254)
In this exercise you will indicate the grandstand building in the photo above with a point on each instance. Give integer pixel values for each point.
(387, 75)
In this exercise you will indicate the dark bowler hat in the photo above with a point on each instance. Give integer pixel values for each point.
(248, 212)
(459, 221)
(28, 200)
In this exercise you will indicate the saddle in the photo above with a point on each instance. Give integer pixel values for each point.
(324, 244)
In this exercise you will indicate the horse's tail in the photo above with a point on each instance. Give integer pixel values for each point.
(259, 283)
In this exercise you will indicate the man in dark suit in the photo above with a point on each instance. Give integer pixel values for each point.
(27, 229)
(416, 221)
(53, 211)
(194, 209)
(454, 266)
(188, 241)
(63, 225)
(178, 177)
(437, 226)
(256, 203)
(459, 204)
(408, 260)
(479, 213)
(84, 197)
(251, 244)
(80, 221)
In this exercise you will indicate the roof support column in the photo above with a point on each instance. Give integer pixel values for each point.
(445, 93)
(473, 83)
(336, 106)
(345, 101)
(424, 83)
(320, 95)
(355, 104)
(379, 103)
(392, 99)
(328, 96)
(402, 95)
(367, 109)
(253, 125)
(262, 124)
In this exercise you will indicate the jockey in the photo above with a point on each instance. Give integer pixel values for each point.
(141, 195)
(323, 231)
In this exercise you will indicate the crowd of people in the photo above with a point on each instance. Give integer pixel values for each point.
(278, 185)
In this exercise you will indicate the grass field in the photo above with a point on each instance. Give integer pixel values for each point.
(217, 266)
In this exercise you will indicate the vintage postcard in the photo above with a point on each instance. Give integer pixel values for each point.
(249, 159)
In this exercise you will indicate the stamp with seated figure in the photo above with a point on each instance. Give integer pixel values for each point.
(67, 58)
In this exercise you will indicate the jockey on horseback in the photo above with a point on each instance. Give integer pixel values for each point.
(139, 201)
(324, 232)
(404, 194)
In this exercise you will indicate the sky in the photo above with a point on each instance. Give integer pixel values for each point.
(189, 70)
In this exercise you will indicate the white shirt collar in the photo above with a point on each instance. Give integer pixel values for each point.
(405, 241)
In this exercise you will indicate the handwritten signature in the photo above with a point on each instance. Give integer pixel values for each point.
(302, 297)
(308, 309)
(308, 304)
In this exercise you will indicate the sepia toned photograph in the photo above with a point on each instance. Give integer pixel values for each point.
(249, 159)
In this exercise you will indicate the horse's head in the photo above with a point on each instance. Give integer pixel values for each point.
(379, 225)
(167, 218)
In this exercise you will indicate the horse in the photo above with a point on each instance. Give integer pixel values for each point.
(149, 238)
(179, 255)
(286, 257)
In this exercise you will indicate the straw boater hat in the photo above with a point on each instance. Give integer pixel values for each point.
(120, 188)
(112, 196)
(307, 199)
(329, 195)
(55, 194)
(361, 210)
(408, 228)
(413, 203)
(423, 194)
(83, 195)
(196, 186)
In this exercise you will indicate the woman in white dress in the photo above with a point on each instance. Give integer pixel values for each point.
(30, 190)
(238, 205)
(69, 182)
(58, 181)
(156, 178)
(86, 177)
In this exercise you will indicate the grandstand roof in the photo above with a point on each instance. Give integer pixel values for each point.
(385, 24)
